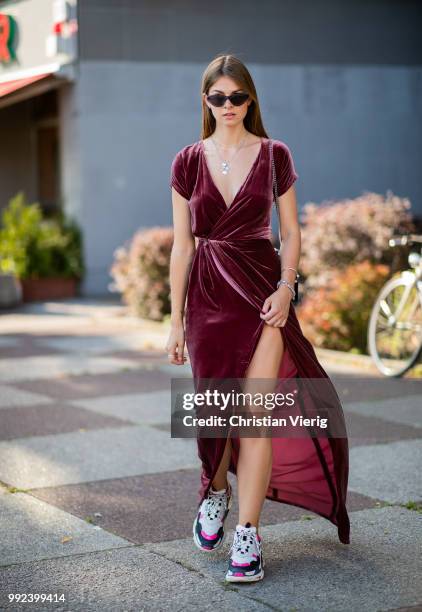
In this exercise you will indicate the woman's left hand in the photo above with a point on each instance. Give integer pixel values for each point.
(276, 307)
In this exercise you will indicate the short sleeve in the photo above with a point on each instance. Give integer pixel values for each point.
(284, 167)
(178, 175)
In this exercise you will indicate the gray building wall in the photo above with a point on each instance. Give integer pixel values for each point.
(340, 83)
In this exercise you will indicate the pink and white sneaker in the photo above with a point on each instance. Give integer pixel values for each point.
(246, 560)
(208, 527)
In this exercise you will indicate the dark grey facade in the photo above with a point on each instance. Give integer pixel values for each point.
(339, 82)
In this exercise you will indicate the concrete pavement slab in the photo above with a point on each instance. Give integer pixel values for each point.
(152, 407)
(176, 371)
(159, 507)
(361, 430)
(308, 569)
(31, 529)
(353, 388)
(50, 366)
(23, 346)
(406, 410)
(366, 430)
(93, 343)
(8, 341)
(42, 420)
(390, 472)
(98, 385)
(130, 579)
(10, 396)
(92, 455)
(153, 358)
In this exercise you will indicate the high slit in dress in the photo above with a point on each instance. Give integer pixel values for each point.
(234, 269)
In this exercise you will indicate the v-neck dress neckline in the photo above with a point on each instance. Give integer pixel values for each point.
(245, 182)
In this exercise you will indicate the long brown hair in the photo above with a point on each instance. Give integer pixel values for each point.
(233, 67)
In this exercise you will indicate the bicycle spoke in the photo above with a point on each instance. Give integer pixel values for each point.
(397, 326)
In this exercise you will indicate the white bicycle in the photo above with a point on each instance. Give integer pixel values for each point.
(395, 325)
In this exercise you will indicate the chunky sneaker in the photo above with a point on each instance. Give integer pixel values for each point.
(246, 561)
(208, 527)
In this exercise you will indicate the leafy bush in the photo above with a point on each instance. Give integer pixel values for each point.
(336, 315)
(335, 235)
(345, 260)
(141, 272)
(34, 247)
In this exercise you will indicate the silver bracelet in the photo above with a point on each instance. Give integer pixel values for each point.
(287, 268)
(284, 282)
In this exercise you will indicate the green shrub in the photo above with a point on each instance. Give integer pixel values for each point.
(34, 247)
(141, 272)
(345, 260)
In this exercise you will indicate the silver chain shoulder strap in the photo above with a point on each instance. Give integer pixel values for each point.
(275, 196)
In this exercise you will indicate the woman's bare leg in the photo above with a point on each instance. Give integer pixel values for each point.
(220, 479)
(255, 455)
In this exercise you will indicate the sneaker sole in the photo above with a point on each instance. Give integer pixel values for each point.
(221, 542)
(245, 578)
(248, 578)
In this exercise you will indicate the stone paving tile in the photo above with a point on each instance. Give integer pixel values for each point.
(130, 579)
(98, 385)
(390, 472)
(406, 410)
(361, 430)
(366, 430)
(159, 507)
(153, 356)
(8, 341)
(10, 396)
(31, 529)
(71, 458)
(51, 366)
(350, 388)
(42, 420)
(307, 568)
(182, 371)
(22, 346)
(153, 407)
(359, 388)
(97, 343)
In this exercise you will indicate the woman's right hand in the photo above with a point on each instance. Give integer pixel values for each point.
(175, 344)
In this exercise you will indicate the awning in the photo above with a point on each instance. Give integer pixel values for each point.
(20, 89)
(9, 86)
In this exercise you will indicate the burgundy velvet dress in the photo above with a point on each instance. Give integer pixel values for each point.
(235, 268)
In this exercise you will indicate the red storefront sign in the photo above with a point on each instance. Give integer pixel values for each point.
(7, 30)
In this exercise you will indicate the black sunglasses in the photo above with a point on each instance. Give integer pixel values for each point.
(237, 99)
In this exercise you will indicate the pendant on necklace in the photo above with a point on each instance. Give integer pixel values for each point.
(225, 167)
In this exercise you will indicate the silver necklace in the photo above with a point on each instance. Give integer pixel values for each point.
(225, 165)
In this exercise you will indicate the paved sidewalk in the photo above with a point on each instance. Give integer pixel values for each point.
(97, 500)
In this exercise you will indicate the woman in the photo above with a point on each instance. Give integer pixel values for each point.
(240, 322)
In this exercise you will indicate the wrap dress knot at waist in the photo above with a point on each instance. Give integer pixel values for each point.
(206, 239)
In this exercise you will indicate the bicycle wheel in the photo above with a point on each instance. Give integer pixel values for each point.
(395, 326)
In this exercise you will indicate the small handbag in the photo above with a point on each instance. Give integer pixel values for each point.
(295, 299)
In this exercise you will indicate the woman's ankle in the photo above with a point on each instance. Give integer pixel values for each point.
(216, 484)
